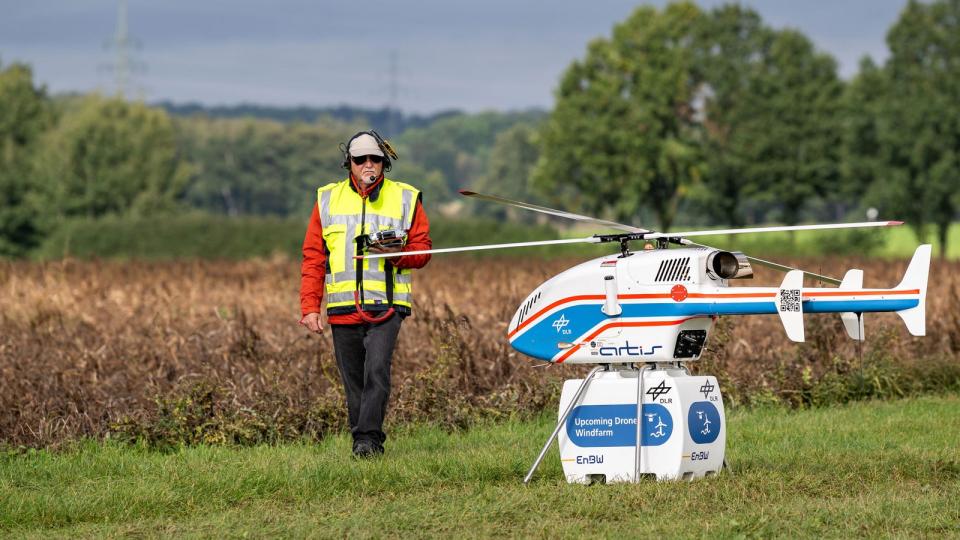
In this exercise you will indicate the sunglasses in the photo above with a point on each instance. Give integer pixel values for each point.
(360, 160)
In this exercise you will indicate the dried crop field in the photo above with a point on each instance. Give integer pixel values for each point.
(202, 351)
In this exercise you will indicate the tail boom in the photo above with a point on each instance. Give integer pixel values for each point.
(867, 300)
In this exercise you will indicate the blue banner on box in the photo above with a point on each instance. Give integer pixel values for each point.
(591, 426)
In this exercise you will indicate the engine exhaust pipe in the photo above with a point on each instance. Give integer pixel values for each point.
(611, 305)
(729, 265)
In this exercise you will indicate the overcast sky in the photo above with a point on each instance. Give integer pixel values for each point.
(489, 54)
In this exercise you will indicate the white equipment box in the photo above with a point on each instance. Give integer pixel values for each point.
(682, 423)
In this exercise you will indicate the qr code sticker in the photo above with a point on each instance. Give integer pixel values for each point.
(789, 299)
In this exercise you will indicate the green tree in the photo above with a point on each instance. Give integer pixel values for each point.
(918, 120)
(623, 133)
(509, 172)
(863, 100)
(458, 147)
(771, 125)
(24, 115)
(260, 167)
(433, 188)
(730, 58)
(796, 125)
(108, 156)
(253, 166)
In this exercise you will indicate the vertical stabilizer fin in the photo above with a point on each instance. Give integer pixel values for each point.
(790, 304)
(853, 322)
(916, 278)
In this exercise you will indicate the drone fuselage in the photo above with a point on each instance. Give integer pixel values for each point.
(660, 305)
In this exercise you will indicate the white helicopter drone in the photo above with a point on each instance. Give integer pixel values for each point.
(663, 302)
(648, 311)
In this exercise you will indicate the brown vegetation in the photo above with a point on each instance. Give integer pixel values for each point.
(201, 351)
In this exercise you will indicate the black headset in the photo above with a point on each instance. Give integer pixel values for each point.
(388, 152)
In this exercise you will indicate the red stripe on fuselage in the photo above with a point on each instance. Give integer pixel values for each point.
(733, 295)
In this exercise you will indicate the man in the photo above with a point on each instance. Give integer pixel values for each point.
(366, 299)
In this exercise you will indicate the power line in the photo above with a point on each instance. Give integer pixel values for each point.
(122, 44)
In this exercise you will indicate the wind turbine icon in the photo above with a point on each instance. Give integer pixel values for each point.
(659, 427)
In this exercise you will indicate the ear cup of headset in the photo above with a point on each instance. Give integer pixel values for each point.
(345, 164)
(345, 148)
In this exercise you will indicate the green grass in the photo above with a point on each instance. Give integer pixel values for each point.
(868, 469)
(902, 241)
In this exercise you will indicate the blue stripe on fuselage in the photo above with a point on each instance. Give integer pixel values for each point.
(841, 306)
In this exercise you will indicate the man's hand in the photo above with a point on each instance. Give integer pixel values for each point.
(313, 322)
(378, 249)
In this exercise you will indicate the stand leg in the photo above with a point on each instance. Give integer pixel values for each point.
(636, 455)
(560, 424)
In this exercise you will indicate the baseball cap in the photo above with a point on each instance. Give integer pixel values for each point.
(365, 145)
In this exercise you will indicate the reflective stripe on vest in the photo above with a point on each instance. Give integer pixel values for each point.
(341, 210)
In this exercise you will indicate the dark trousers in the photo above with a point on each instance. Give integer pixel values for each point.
(364, 353)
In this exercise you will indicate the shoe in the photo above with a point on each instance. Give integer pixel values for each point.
(366, 449)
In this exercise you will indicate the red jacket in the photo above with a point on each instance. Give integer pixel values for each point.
(313, 267)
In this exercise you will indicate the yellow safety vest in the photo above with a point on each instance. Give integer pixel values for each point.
(344, 216)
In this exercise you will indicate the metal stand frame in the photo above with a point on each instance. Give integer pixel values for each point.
(636, 456)
(560, 424)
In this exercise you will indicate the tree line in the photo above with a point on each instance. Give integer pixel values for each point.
(389, 122)
(680, 115)
(741, 122)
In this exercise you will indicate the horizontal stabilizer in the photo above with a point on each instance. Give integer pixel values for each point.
(790, 304)
(853, 322)
(915, 278)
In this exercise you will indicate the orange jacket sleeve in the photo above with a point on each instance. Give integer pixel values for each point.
(418, 238)
(313, 267)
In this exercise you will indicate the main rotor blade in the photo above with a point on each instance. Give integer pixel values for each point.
(588, 240)
(771, 264)
(684, 234)
(552, 212)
